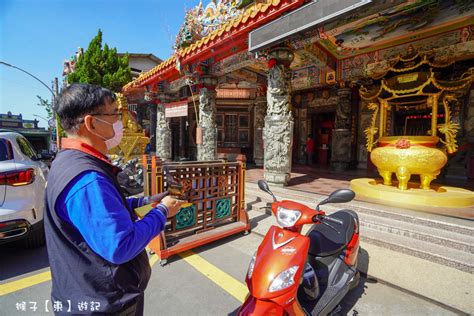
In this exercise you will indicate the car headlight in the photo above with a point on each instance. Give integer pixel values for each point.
(283, 280)
(251, 265)
(287, 218)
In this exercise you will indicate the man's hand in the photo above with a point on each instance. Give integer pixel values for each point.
(155, 198)
(172, 204)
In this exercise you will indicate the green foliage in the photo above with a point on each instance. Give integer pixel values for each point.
(101, 66)
(47, 106)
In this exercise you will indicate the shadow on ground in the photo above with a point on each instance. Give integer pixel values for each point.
(17, 260)
(348, 303)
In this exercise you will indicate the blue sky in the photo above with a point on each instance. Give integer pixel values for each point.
(38, 35)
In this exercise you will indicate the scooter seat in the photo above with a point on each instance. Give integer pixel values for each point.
(324, 241)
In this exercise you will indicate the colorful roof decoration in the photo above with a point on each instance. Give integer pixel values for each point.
(389, 25)
(249, 18)
(200, 22)
(413, 77)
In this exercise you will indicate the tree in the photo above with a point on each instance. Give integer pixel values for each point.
(101, 66)
(47, 106)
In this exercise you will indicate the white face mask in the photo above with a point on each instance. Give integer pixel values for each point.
(117, 138)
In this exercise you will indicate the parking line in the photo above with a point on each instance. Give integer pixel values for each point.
(231, 285)
(39, 278)
(25, 283)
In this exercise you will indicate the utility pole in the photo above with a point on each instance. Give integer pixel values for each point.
(54, 93)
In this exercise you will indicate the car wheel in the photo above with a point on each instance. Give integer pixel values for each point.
(35, 238)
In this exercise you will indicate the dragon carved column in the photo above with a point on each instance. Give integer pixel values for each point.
(207, 144)
(151, 111)
(163, 130)
(278, 130)
(341, 135)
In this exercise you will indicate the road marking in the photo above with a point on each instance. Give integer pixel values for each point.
(25, 283)
(39, 278)
(231, 285)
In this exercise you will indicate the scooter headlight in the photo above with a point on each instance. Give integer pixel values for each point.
(283, 280)
(251, 266)
(287, 218)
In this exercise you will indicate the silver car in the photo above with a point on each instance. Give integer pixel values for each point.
(22, 185)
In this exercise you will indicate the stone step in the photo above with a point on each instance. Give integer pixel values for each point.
(449, 224)
(434, 253)
(424, 233)
(437, 228)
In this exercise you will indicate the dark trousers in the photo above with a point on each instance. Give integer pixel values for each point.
(309, 158)
(136, 309)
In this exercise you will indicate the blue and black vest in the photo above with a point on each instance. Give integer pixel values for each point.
(78, 273)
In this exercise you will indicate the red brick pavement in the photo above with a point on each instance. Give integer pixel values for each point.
(324, 181)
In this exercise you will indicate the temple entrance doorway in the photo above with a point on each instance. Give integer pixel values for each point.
(414, 121)
(175, 126)
(322, 126)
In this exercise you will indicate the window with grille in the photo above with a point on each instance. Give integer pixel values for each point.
(233, 128)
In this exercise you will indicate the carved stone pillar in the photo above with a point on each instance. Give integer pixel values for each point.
(278, 131)
(259, 123)
(207, 149)
(163, 131)
(303, 132)
(341, 135)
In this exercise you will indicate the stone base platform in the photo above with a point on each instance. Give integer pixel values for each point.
(444, 200)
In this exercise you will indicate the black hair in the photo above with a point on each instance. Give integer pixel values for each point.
(79, 99)
(309, 135)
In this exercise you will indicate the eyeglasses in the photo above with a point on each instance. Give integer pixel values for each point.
(119, 114)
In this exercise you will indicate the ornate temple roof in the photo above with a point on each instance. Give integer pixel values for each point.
(414, 75)
(246, 20)
(413, 60)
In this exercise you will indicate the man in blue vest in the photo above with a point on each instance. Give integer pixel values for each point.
(96, 244)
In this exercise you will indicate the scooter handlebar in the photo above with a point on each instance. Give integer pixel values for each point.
(333, 220)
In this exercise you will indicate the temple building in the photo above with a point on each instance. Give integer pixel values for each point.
(258, 77)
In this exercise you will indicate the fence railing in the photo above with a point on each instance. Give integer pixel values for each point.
(215, 191)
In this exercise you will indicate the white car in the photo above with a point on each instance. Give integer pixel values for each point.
(22, 185)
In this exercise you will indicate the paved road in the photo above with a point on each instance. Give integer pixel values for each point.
(207, 282)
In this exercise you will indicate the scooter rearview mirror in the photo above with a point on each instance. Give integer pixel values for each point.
(263, 185)
(338, 196)
(341, 196)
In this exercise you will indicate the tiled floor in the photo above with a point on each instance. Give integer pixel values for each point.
(324, 181)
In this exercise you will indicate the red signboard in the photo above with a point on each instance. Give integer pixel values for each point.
(176, 109)
(235, 94)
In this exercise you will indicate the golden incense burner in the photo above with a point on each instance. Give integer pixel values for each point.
(407, 155)
(413, 81)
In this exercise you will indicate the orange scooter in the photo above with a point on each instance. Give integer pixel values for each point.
(294, 274)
